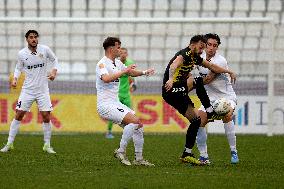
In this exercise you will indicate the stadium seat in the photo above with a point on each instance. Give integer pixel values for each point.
(12, 54)
(111, 28)
(174, 29)
(209, 5)
(240, 14)
(193, 5)
(94, 13)
(4, 54)
(79, 5)
(253, 29)
(238, 29)
(248, 56)
(14, 5)
(93, 54)
(63, 54)
(190, 29)
(45, 5)
(78, 67)
(62, 41)
(234, 66)
(4, 66)
(144, 13)
(251, 43)
(127, 13)
(222, 29)
(79, 13)
(279, 43)
(172, 42)
(64, 68)
(95, 28)
(204, 28)
(77, 41)
(128, 5)
(141, 41)
(263, 56)
(112, 5)
(15, 41)
(222, 14)
(111, 13)
(161, 5)
(62, 5)
(143, 29)
(78, 28)
(96, 4)
(192, 14)
(47, 40)
(264, 43)
(77, 54)
(235, 42)
(3, 41)
(160, 14)
(30, 5)
(169, 54)
(274, 15)
(62, 28)
(62, 13)
(177, 5)
(93, 41)
(279, 55)
(176, 14)
(140, 55)
(157, 42)
(159, 29)
(46, 13)
(156, 55)
(241, 5)
(13, 13)
(145, 5)
(127, 41)
(256, 14)
(258, 5)
(208, 14)
(126, 29)
(274, 6)
(30, 13)
(225, 5)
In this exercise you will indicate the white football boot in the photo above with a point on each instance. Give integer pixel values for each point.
(7, 148)
(122, 157)
(47, 148)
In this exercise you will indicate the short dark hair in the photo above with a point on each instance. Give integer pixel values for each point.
(197, 38)
(110, 42)
(213, 36)
(31, 31)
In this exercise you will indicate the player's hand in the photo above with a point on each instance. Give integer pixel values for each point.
(51, 76)
(129, 69)
(149, 72)
(14, 83)
(169, 85)
(233, 77)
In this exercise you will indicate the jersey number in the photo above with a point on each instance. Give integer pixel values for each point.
(121, 110)
(19, 104)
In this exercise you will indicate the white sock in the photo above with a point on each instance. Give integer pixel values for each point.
(14, 128)
(201, 139)
(46, 132)
(138, 141)
(127, 134)
(187, 150)
(230, 132)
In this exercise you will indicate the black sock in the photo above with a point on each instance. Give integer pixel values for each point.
(192, 132)
(201, 92)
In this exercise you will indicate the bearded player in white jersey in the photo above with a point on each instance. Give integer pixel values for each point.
(33, 60)
(218, 86)
(108, 71)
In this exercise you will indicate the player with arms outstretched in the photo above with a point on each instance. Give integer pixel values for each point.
(33, 60)
(108, 71)
(177, 83)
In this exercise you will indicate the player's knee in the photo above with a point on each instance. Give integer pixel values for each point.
(195, 122)
(19, 115)
(46, 118)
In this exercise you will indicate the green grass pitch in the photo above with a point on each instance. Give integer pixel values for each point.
(86, 161)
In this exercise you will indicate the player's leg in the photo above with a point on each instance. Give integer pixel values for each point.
(109, 134)
(23, 105)
(45, 107)
(195, 122)
(231, 136)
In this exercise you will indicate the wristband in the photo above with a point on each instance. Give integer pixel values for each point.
(144, 72)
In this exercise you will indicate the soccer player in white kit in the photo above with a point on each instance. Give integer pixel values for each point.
(108, 71)
(218, 86)
(33, 60)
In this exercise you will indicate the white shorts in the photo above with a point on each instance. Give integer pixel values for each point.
(26, 100)
(113, 111)
(232, 102)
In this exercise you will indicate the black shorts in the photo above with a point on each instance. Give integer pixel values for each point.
(178, 97)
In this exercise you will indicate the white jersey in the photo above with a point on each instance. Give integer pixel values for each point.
(221, 86)
(34, 65)
(107, 92)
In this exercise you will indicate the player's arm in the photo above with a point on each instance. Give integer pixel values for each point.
(18, 70)
(176, 63)
(209, 78)
(136, 73)
(217, 69)
(107, 77)
(53, 59)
